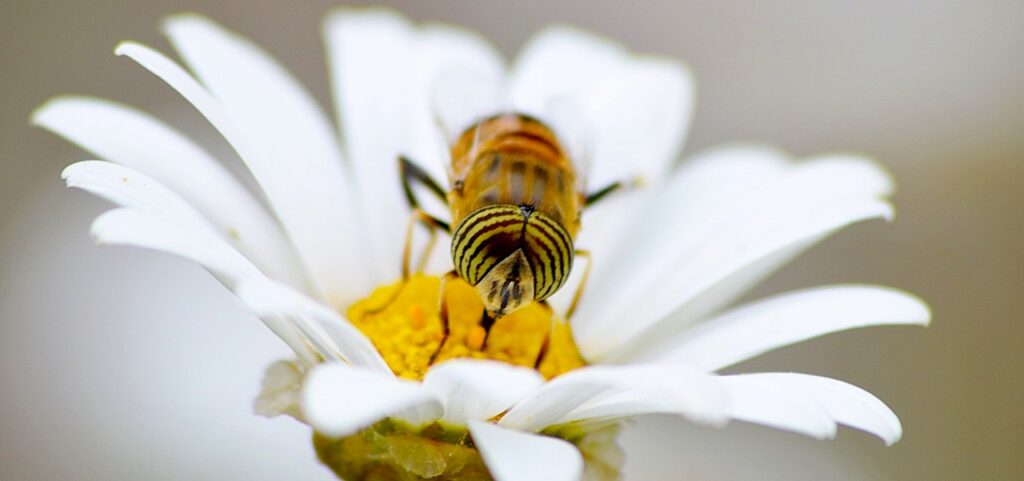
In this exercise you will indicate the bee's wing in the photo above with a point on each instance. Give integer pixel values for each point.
(446, 59)
(461, 97)
(636, 108)
(566, 116)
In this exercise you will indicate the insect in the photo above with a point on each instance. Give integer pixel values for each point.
(515, 210)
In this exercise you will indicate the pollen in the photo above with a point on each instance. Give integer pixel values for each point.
(403, 320)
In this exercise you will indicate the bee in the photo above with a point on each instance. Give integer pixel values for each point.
(515, 213)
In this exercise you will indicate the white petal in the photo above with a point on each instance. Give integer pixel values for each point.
(624, 404)
(129, 188)
(693, 198)
(374, 101)
(331, 335)
(750, 330)
(518, 456)
(338, 400)
(812, 200)
(777, 407)
(299, 164)
(146, 229)
(128, 137)
(692, 393)
(150, 230)
(479, 390)
(293, 209)
(845, 403)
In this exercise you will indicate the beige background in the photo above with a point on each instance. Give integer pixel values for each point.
(122, 364)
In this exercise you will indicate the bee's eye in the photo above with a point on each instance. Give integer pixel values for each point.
(549, 250)
(485, 238)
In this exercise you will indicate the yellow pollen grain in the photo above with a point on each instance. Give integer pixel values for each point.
(403, 322)
(475, 340)
(417, 319)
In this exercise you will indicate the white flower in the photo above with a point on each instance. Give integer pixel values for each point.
(669, 258)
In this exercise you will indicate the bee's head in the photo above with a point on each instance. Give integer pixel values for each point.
(512, 255)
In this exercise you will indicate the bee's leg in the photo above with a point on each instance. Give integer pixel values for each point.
(546, 343)
(583, 283)
(411, 172)
(595, 196)
(432, 225)
(486, 322)
(417, 217)
(443, 314)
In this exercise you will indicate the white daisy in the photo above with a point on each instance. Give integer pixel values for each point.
(317, 251)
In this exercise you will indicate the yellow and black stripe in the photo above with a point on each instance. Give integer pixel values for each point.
(490, 234)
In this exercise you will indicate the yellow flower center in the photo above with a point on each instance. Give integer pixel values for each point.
(403, 322)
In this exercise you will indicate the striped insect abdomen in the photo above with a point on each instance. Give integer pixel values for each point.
(512, 254)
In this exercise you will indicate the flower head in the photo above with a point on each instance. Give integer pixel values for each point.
(315, 254)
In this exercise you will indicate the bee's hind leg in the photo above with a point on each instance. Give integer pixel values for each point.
(546, 343)
(411, 173)
(443, 314)
(568, 312)
(583, 283)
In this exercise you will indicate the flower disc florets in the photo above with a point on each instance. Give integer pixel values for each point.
(402, 320)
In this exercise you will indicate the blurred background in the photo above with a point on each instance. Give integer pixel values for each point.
(117, 363)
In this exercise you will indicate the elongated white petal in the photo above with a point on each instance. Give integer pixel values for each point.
(793, 209)
(517, 456)
(479, 390)
(616, 405)
(750, 330)
(777, 407)
(374, 101)
(148, 229)
(693, 199)
(694, 394)
(843, 402)
(128, 137)
(338, 399)
(283, 197)
(331, 335)
(129, 188)
(298, 162)
(145, 229)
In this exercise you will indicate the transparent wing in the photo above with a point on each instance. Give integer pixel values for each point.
(565, 115)
(461, 98)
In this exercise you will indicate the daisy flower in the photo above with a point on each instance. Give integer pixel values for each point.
(315, 250)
